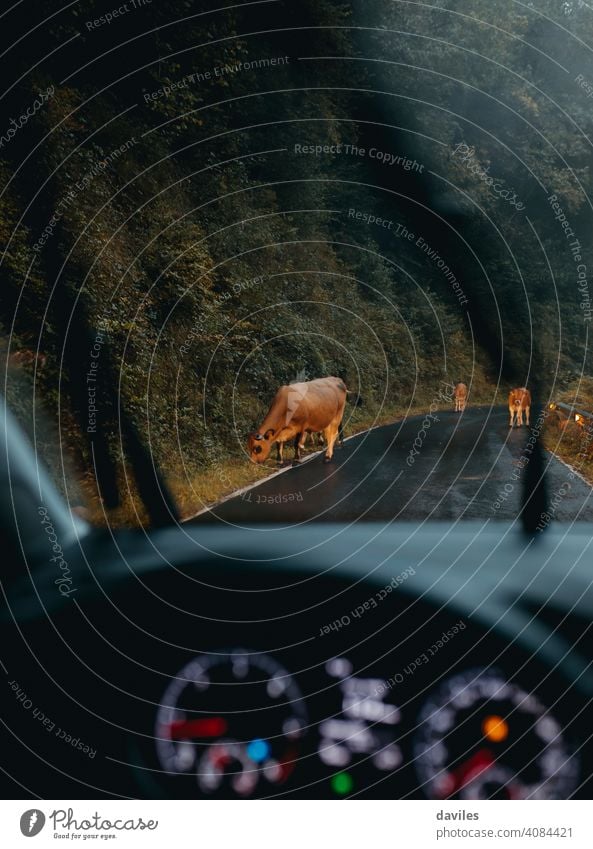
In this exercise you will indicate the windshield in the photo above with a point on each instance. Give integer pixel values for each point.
(303, 262)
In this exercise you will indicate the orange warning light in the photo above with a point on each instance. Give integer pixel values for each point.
(495, 728)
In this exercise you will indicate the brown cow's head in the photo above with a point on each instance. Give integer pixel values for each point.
(519, 397)
(259, 445)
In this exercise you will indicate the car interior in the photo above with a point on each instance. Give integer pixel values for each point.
(243, 649)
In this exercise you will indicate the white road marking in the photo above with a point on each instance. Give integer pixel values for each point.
(273, 475)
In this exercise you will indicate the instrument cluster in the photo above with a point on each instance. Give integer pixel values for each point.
(237, 724)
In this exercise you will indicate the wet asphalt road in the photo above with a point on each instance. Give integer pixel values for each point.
(466, 465)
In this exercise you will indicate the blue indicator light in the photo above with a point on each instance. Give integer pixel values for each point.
(258, 750)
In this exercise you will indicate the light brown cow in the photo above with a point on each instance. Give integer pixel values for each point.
(460, 397)
(519, 403)
(299, 409)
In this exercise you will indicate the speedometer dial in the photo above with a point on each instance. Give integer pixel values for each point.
(233, 722)
(483, 737)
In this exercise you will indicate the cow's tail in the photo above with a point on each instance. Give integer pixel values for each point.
(358, 402)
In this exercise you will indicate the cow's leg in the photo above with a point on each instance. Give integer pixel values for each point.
(279, 451)
(331, 434)
(527, 410)
(520, 417)
(511, 413)
(340, 435)
(299, 444)
(315, 439)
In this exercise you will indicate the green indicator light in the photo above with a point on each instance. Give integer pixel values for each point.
(342, 783)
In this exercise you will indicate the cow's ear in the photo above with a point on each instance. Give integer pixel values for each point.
(268, 433)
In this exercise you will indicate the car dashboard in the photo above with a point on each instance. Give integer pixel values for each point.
(371, 661)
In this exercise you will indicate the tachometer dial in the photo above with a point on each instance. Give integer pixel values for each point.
(233, 721)
(483, 737)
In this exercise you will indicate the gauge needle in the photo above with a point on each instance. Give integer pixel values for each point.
(183, 729)
(287, 764)
(469, 770)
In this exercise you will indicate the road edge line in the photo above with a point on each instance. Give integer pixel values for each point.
(270, 477)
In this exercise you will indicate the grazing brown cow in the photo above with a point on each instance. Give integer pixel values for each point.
(460, 397)
(519, 402)
(299, 409)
